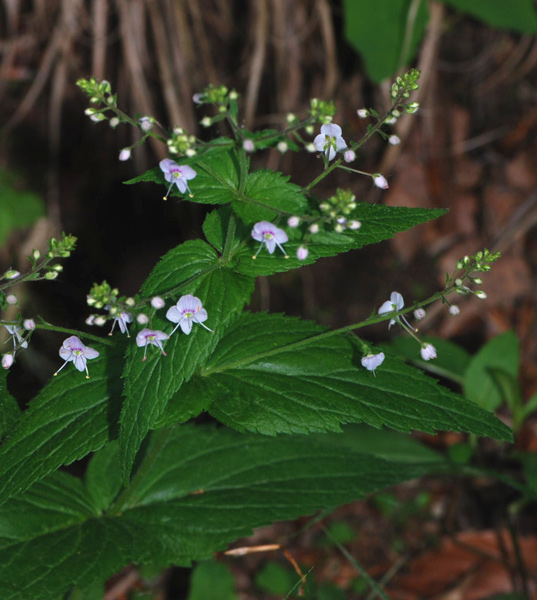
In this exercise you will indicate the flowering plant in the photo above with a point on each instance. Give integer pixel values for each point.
(158, 488)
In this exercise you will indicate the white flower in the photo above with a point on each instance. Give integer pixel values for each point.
(147, 337)
(178, 174)
(73, 350)
(142, 319)
(380, 181)
(282, 147)
(270, 236)
(419, 314)
(29, 324)
(302, 253)
(395, 303)
(188, 310)
(354, 225)
(454, 310)
(428, 351)
(330, 141)
(248, 146)
(123, 320)
(394, 140)
(11, 299)
(372, 361)
(362, 113)
(17, 338)
(125, 154)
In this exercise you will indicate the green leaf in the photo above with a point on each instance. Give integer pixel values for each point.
(18, 207)
(277, 374)
(451, 363)
(378, 223)
(212, 580)
(501, 352)
(63, 423)
(191, 268)
(9, 409)
(101, 478)
(378, 31)
(518, 15)
(265, 190)
(205, 488)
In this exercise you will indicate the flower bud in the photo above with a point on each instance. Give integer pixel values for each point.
(125, 154)
(412, 107)
(314, 228)
(339, 228)
(99, 321)
(130, 302)
(454, 310)
(157, 302)
(114, 122)
(282, 147)
(478, 280)
(302, 253)
(206, 122)
(419, 314)
(480, 294)
(349, 155)
(90, 320)
(248, 146)
(11, 274)
(145, 124)
(142, 319)
(36, 254)
(50, 275)
(428, 352)
(394, 140)
(7, 360)
(354, 225)
(29, 324)
(380, 181)
(362, 113)
(293, 222)
(11, 299)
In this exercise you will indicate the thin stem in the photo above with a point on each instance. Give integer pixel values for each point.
(48, 327)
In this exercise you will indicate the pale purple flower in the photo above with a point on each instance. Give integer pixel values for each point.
(188, 310)
(11, 299)
(302, 253)
(17, 338)
(395, 303)
(125, 154)
(90, 320)
(122, 320)
(454, 310)
(372, 361)
(7, 360)
(73, 350)
(330, 141)
(419, 314)
(380, 181)
(269, 235)
(178, 174)
(349, 155)
(428, 351)
(142, 318)
(197, 98)
(148, 336)
(157, 302)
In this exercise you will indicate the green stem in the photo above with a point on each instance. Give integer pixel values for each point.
(128, 496)
(230, 236)
(48, 327)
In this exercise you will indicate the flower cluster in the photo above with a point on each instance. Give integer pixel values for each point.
(182, 143)
(338, 208)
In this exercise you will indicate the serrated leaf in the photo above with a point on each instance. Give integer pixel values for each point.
(18, 207)
(365, 21)
(191, 268)
(502, 352)
(379, 223)
(277, 374)
(9, 409)
(265, 190)
(63, 423)
(519, 15)
(205, 488)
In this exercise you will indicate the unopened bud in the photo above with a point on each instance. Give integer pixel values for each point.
(7, 360)
(419, 314)
(480, 294)
(349, 155)
(125, 154)
(380, 181)
(206, 122)
(314, 228)
(29, 324)
(142, 319)
(454, 310)
(99, 321)
(157, 302)
(362, 113)
(114, 122)
(282, 147)
(248, 146)
(394, 140)
(302, 253)
(11, 299)
(354, 224)
(11, 274)
(293, 221)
